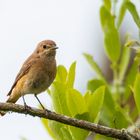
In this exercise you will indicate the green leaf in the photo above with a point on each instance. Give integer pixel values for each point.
(121, 118)
(106, 19)
(132, 72)
(112, 45)
(95, 103)
(83, 116)
(71, 75)
(76, 103)
(122, 12)
(94, 84)
(94, 66)
(58, 95)
(87, 97)
(132, 9)
(112, 115)
(55, 127)
(61, 74)
(77, 133)
(45, 124)
(111, 36)
(101, 137)
(137, 91)
(124, 62)
(108, 110)
(130, 78)
(107, 4)
(66, 133)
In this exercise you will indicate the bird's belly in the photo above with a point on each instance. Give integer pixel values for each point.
(37, 84)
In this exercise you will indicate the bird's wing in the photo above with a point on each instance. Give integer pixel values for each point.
(24, 70)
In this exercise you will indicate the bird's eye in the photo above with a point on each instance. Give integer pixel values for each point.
(44, 46)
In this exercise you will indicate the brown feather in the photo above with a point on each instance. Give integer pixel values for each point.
(24, 70)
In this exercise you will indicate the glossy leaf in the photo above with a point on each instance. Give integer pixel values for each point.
(132, 72)
(71, 75)
(87, 96)
(132, 9)
(94, 84)
(95, 103)
(55, 127)
(107, 4)
(101, 137)
(112, 115)
(45, 124)
(58, 95)
(122, 12)
(76, 103)
(130, 77)
(94, 66)
(111, 36)
(66, 133)
(121, 118)
(77, 133)
(124, 62)
(61, 74)
(137, 91)
(112, 45)
(108, 111)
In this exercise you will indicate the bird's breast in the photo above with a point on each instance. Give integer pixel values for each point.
(40, 78)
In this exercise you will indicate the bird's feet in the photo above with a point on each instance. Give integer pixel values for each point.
(46, 110)
(26, 108)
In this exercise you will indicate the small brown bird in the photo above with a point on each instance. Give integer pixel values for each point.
(36, 74)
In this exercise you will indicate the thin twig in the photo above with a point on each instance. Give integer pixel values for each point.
(103, 130)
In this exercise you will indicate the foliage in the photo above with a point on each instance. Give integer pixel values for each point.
(106, 102)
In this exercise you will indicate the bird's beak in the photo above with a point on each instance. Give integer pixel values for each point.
(54, 48)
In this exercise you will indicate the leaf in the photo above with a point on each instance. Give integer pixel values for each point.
(55, 127)
(137, 91)
(122, 12)
(111, 36)
(124, 62)
(76, 103)
(101, 137)
(87, 97)
(121, 118)
(132, 72)
(83, 116)
(94, 84)
(112, 45)
(107, 4)
(94, 66)
(58, 95)
(78, 133)
(112, 115)
(108, 110)
(66, 133)
(45, 123)
(130, 77)
(95, 103)
(71, 75)
(132, 9)
(61, 74)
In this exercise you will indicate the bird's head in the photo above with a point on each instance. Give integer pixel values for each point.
(47, 48)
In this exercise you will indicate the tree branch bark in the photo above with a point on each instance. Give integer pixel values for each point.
(109, 132)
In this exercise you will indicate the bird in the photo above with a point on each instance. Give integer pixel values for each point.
(36, 74)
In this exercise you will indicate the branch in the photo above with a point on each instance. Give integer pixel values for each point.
(109, 132)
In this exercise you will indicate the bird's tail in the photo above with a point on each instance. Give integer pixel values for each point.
(12, 99)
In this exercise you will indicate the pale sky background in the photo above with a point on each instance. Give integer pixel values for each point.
(73, 24)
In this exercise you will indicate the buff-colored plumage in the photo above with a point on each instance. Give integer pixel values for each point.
(37, 72)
